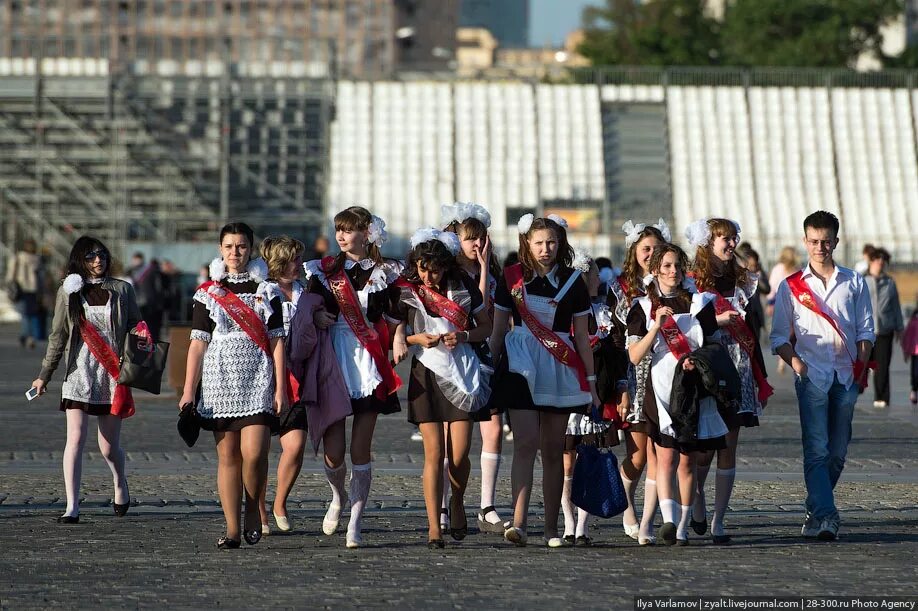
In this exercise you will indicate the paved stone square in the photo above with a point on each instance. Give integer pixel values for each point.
(162, 553)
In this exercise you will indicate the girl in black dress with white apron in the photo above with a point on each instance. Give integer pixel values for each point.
(448, 390)
(669, 322)
(717, 270)
(547, 376)
(355, 287)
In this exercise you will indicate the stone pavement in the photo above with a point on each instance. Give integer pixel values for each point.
(162, 553)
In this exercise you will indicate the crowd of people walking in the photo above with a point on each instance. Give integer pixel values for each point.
(666, 355)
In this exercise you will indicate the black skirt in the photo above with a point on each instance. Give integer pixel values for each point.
(237, 423)
(93, 409)
(509, 390)
(426, 402)
(373, 404)
(736, 421)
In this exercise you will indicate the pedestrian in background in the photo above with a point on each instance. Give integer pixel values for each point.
(887, 321)
(92, 317)
(910, 353)
(24, 282)
(148, 285)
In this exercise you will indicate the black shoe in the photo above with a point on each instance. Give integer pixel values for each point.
(461, 532)
(252, 537)
(120, 510)
(583, 540)
(721, 539)
(227, 543)
(668, 533)
(436, 544)
(682, 542)
(68, 520)
(570, 539)
(699, 527)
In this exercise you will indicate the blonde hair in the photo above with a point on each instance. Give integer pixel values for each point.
(788, 258)
(278, 252)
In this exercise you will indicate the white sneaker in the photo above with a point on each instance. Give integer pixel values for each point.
(810, 527)
(879, 404)
(416, 436)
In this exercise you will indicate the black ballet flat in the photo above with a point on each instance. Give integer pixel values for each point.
(570, 539)
(721, 539)
(227, 543)
(682, 542)
(120, 510)
(699, 527)
(68, 520)
(252, 537)
(583, 540)
(436, 544)
(668, 533)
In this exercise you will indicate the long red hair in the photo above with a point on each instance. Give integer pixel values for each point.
(706, 263)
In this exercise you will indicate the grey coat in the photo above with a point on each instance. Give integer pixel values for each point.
(65, 341)
(887, 311)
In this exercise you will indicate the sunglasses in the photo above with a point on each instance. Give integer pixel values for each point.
(91, 255)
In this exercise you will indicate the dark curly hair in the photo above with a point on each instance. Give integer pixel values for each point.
(431, 255)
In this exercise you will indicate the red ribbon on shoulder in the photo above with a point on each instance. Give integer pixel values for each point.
(374, 340)
(742, 335)
(102, 351)
(563, 353)
(675, 339)
(802, 293)
(437, 304)
(250, 322)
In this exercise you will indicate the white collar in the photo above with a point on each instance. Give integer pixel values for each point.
(364, 264)
(551, 276)
(808, 271)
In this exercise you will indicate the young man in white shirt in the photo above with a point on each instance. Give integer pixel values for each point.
(827, 309)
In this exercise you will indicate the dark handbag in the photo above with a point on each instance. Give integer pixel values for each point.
(14, 291)
(143, 363)
(597, 486)
(189, 424)
(292, 417)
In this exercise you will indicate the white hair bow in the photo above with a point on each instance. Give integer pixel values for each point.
(525, 223)
(558, 219)
(460, 211)
(698, 233)
(376, 232)
(428, 234)
(581, 261)
(633, 231)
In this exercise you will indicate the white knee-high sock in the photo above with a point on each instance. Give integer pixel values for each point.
(490, 465)
(629, 517)
(570, 522)
(724, 480)
(336, 479)
(650, 508)
(361, 479)
(682, 529)
(668, 507)
(699, 509)
(582, 519)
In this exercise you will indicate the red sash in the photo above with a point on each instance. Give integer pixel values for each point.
(437, 304)
(123, 400)
(374, 340)
(801, 291)
(675, 339)
(563, 353)
(742, 335)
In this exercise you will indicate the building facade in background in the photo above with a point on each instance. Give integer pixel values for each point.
(298, 38)
(425, 34)
(508, 20)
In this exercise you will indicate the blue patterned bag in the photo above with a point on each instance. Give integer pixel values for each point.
(597, 487)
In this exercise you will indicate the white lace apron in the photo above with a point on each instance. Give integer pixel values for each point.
(90, 382)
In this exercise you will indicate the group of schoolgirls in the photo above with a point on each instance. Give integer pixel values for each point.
(535, 341)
